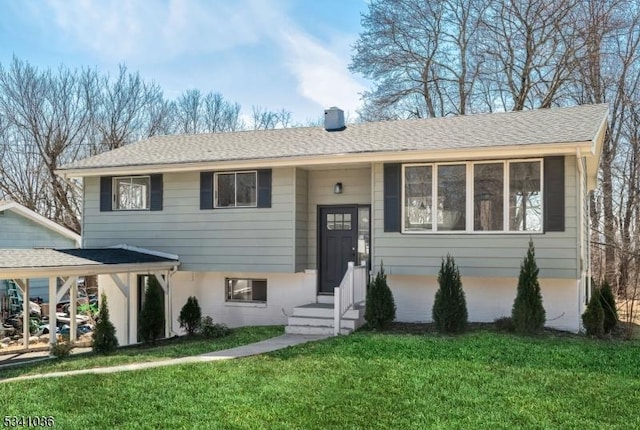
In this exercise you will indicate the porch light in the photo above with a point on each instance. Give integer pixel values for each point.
(337, 188)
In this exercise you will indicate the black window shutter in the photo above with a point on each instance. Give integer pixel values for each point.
(106, 193)
(264, 188)
(156, 192)
(206, 190)
(554, 193)
(392, 184)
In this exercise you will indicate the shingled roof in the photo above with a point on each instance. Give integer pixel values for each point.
(44, 258)
(543, 126)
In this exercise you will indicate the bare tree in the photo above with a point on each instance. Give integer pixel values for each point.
(610, 72)
(159, 113)
(124, 109)
(265, 119)
(220, 115)
(530, 51)
(23, 179)
(206, 114)
(398, 50)
(49, 110)
(188, 112)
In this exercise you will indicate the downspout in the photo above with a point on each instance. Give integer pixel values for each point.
(170, 274)
(581, 185)
(589, 274)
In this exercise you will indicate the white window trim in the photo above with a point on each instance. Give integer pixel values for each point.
(235, 176)
(114, 193)
(469, 226)
(247, 303)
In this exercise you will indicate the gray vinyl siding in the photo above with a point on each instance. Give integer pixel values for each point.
(17, 231)
(486, 255)
(356, 186)
(302, 218)
(211, 240)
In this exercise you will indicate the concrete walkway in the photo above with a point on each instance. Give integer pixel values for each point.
(261, 347)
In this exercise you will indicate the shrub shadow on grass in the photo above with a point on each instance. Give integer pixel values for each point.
(551, 350)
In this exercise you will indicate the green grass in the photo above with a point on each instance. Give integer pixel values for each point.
(181, 347)
(366, 380)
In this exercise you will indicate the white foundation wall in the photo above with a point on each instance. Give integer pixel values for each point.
(118, 303)
(487, 299)
(284, 292)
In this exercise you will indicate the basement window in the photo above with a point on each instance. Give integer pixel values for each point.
(246, 290)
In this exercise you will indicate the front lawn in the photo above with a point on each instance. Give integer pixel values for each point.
(170, 348)
(366, 380)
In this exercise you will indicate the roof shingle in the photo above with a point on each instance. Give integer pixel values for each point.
(43, 258)
(543, 126)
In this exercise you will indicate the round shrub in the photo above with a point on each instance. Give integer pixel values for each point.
(190, 315)
(209, 330)
(61, 349)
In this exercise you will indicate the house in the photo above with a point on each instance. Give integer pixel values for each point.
(23, 228)
(264, 222)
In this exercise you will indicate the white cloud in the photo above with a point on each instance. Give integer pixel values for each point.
(156, 31)
(196, 39)
(321, 72)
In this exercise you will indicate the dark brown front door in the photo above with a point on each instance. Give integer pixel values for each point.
(338, 231)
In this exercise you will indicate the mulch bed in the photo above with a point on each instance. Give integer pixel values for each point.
(429, 328)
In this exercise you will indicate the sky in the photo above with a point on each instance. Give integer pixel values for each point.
(290, 54)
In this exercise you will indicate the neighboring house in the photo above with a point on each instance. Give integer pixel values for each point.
(265, 221)
(25, 229)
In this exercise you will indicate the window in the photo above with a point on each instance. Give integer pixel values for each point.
(488, 197)
(340, 221)
(235, 189)
(363, 235)
(500, 196)
(246, 290)
(418, 203)
(525, 196)
(131, 192)
(450, 197)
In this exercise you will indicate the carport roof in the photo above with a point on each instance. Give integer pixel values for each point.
(25, 263)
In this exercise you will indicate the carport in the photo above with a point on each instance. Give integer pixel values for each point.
(67, 265)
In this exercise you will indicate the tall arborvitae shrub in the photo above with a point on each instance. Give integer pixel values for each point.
(528, 314)
(104, 334)
(151, 321)
(450, 306)
(190, 315)
(380, 309)
(608, 301)
(593, 316)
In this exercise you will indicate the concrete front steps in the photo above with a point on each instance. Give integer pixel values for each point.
(317, 318)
